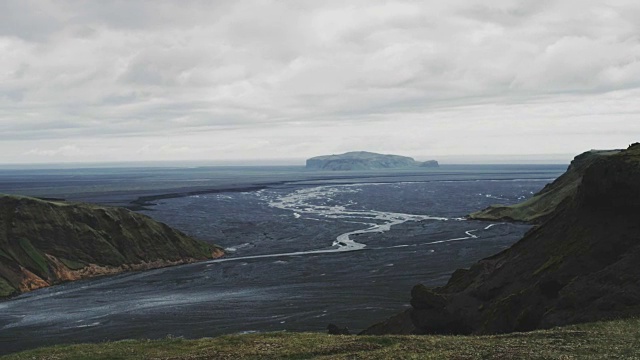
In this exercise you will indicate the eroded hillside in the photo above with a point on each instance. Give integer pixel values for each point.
(45, 242)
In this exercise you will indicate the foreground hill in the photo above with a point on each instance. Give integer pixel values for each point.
(363, 160)
(579, 265)
(46, 242)
(607, 340)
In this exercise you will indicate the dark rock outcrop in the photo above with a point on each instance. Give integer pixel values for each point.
(333, 329)
(47, 242)
(399, 324)
(579, 265)
(363, 160)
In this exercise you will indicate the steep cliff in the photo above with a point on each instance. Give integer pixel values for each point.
(363, 160)
(578, 265)
(44, 243)
(546, 200)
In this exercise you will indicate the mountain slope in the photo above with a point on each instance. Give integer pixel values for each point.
(363, 160)
(44, 242)
(546, 200)
(578, 265)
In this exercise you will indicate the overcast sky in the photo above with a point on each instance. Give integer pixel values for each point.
(461, 80)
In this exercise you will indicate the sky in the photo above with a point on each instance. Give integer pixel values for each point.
(457, 81)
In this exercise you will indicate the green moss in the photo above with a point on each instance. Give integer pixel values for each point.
(6, 289)
(72, 265)
(553, 261)
(5, 255)
(36, 256)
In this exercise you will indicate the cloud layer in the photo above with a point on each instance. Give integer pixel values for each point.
(168, 80)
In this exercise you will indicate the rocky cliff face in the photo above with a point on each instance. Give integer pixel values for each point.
(44, 243)
(579, 265)
(546, 200)
(363, 160)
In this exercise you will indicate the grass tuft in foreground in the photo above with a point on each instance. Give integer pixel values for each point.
(604, 340)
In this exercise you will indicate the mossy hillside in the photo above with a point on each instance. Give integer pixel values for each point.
(32, 231)
(6, 289)
(544, 203)
(38, 261)
(602, 340)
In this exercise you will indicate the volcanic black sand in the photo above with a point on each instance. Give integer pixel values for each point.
(301, 255)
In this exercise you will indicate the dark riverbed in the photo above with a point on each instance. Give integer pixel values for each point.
(302, 254)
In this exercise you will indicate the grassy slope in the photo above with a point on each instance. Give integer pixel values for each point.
(547, 200)
(604, 340)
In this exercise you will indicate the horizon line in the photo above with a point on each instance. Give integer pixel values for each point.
(485, 159)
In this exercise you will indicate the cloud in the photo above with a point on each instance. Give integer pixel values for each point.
(113, 73)
(63, 151)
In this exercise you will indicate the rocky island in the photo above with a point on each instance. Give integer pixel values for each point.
(578, 265)
(364, 160)
(43, 243)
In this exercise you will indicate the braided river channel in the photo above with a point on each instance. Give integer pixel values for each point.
(299, 256)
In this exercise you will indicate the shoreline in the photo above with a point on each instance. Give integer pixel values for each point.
(142, 203)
